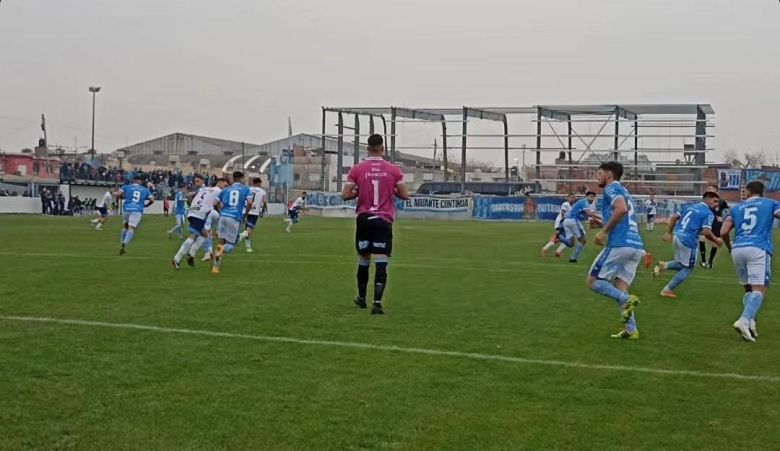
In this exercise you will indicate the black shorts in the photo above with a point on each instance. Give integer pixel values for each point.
(251, 221)
(716, 226)
(373, 235)
(650, 218)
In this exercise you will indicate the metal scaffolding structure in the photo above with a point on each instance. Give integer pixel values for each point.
(632, 125)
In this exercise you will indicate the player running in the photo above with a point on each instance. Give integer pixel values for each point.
(232, 201)
(615, 267)
(652, 209)
(203, 202)
(752, 252)
(294, 210)
(103, 205)
(565, 207)
(720, 212)
(179, 211)
(259, 207)
(375, 183)
(574, 233)
(137, 197)
(685, 228)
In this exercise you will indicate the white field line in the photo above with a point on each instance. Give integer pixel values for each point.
(398, 349)
(517, 267)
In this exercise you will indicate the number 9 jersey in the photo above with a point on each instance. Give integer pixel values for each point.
(753, 221)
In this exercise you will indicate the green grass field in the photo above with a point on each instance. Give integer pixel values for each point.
(461, 296)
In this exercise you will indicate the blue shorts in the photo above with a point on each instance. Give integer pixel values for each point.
(616, 263)
(251, 221)
(293, 215)
(196, 225)
(103, 211)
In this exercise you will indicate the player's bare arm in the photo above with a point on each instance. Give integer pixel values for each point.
(349, 191)
(401, 191)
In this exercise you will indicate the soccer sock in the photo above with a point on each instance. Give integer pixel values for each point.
(548, 246)
(713, 251)
(605, 288)
(674, 266)
(122, 236)
(99, 225)
(678, 279)
(631, 323)
(362, 277)
(197, 243)
(248, 243)
(703, 251)
(183, 249)
(380, 278)
(561, 247)
(577, 250)
(208, 244)
(752, 304)
(128, 237)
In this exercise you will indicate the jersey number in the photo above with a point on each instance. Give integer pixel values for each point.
(233, 200)
(136, 197)
(375, 186)
(750, 219)
(686, 219)
(631, 217)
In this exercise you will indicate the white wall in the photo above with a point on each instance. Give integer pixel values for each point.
(20, 205)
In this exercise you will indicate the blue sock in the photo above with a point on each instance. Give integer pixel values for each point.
(605, 288)
(577, 250)
(207, 245)
(752, 304)
(630, 324)
(128, 237)
(122, 236)
(678, 278)
(674, 266)
(228, 248)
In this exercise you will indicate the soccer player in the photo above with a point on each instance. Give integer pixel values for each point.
(565, 207)
(103, 205)
(720, 212)
(208, 245)
(179, 209)
(574, 233)
(751, 252)
(375, 183)
(615, 267)
(259, 207)
(137, 197)
(652, 208)
(203, 202)
(685, 228)
(232, 201)
(293, 211)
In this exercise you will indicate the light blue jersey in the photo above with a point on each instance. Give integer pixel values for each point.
(579, 210)
(626, 232)
(179, 203)
(233, 200)
(753, 220)
(135, 198)
(693, 218)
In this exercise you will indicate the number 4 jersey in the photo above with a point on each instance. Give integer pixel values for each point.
(375, 180)
(753, 221)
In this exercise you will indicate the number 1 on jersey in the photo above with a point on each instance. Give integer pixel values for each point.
(375, 185)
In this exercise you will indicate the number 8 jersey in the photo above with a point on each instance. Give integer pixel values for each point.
(626, 232)
(753, 220)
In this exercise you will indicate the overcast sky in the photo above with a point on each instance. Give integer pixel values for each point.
(236, 69)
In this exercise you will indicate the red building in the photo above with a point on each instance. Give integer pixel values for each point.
(28, 168)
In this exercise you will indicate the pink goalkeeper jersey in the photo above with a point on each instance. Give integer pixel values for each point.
(376, 180)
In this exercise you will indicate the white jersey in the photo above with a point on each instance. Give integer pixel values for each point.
(565, 207)
(298, 203)
(651, 206)
(106, 200)
(257, 197)
(204, 202)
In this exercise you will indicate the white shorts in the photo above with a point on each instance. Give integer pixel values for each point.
(573, 227)
(754, 265)
(617, 263)
(211, 218)
(683, 254)
(132, 219)
(228, 229)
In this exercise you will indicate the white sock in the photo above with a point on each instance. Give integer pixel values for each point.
(198, 243)
(183, 249)
(99, 226)
(561, 248)
(548, 246)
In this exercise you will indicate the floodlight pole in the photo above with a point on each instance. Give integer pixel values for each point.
(538, 142)
(444, 148)
(323, 185)
(571, 164)
(616, 155)
(94, 90)
(340, 156)
(463, 144)
(506, 149)
(392, 133)
(356, 159)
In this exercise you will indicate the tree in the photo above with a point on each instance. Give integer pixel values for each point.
(754, 160)
(731, 157)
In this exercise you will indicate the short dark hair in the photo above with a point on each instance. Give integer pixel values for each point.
(257, 180)
(589, 193)
(223, 179)
(375, 140)
(198, 176)
(710, 195)
(712, 185)
(614, 167)
(755, 187)
(238, 175)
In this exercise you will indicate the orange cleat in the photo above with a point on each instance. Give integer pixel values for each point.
(668, 294)
(648, 260)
